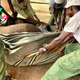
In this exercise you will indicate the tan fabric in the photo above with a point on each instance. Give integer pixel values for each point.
(20, 44)
(23, 8)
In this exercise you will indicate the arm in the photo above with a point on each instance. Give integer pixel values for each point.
(30, 8)
(4, 11)
(11, 7)
(37, 18)
(21, 11)
(32, 11)
(57, 41)
(62, 18)
(65, 41)
(54, 16)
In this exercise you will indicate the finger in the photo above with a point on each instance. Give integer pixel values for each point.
(44, 44)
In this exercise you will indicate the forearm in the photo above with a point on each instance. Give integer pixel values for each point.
(11, 7)
(5, 12)
(65, 41)
(53, 43)
(53, 14)
(63, 17)
(35, 16)
(62, 39)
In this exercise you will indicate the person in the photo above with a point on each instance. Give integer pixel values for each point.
(57, 10)
(68, 65)
(24, 8)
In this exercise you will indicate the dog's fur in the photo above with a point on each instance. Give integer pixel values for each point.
(23, 27)
(27, 73)
(19, 25)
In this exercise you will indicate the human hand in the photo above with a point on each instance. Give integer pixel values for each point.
(28, 17)
(37, 20)
(43, 49)
(57, 26)
(60, 28)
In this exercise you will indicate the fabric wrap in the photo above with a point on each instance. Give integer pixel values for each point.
(20, 44)
(2, 61)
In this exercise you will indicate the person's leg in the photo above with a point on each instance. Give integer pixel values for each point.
(51, 20)
(64, 67)
(59, 16)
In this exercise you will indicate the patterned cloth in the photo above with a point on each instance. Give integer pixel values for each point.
(21, 44)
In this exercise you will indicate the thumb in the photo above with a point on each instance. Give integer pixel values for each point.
(45, 44)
